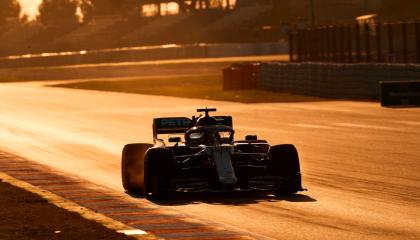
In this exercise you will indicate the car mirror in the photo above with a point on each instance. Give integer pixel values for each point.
(251, 138)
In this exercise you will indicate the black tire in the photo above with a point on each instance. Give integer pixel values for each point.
(158, 167)
(132, 167)
(284, 162)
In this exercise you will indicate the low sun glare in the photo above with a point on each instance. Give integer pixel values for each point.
(30, 7)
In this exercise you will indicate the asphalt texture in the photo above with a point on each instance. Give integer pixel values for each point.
(360, 162)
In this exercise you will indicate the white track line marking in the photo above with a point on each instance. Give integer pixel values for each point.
(311, 126)
(365, 126)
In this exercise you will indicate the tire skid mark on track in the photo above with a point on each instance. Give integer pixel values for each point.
(153, 220)
(118, 210)
(196, 235)
(144, 211)
(97, 205)
(22, 171)
(173, 226)
(88, 198)
(63, 189)
(136, 213)
(56, 182)
(83, 194)
(145, 216)
(40, 178)
(196, 229)
(11, 166)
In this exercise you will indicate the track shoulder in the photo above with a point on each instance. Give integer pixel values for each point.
(132, 216)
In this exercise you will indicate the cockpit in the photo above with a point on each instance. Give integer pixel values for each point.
(209, 136)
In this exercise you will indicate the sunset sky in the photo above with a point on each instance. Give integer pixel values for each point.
(30, 7)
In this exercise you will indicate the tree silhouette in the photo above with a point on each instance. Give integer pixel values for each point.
(8, 9)
(108, 7)
(86, 8)
(58, 12)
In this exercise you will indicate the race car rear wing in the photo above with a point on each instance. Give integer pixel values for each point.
(182, 124)
(171, 125)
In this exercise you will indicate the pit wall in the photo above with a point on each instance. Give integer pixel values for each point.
(134, 54)
(352, 81)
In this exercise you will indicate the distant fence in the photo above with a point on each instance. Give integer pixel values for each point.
(391, 42)
(353, 81)
(145, 54)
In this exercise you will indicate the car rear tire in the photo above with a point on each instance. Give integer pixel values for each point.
(158, 166)
(132, 167)
(284, 161)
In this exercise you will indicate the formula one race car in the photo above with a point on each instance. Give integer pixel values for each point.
(202, 155)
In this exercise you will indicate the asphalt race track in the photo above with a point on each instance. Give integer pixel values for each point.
(360, 162)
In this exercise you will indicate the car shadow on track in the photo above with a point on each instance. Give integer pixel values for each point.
(227, 198)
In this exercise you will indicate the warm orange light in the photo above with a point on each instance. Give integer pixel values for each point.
(30, 7)
(149, 10)
(232, 3)
(170, 8)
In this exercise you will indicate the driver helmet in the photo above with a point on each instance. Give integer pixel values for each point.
(206, 121)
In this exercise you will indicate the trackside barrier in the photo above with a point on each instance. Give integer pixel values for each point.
(241, 76)
(400, 93)
(133, 54)
(334, 80)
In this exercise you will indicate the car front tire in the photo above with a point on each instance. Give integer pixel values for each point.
(132, 167)
(284, 162)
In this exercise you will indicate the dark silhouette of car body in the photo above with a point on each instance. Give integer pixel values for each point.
(207, 159)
